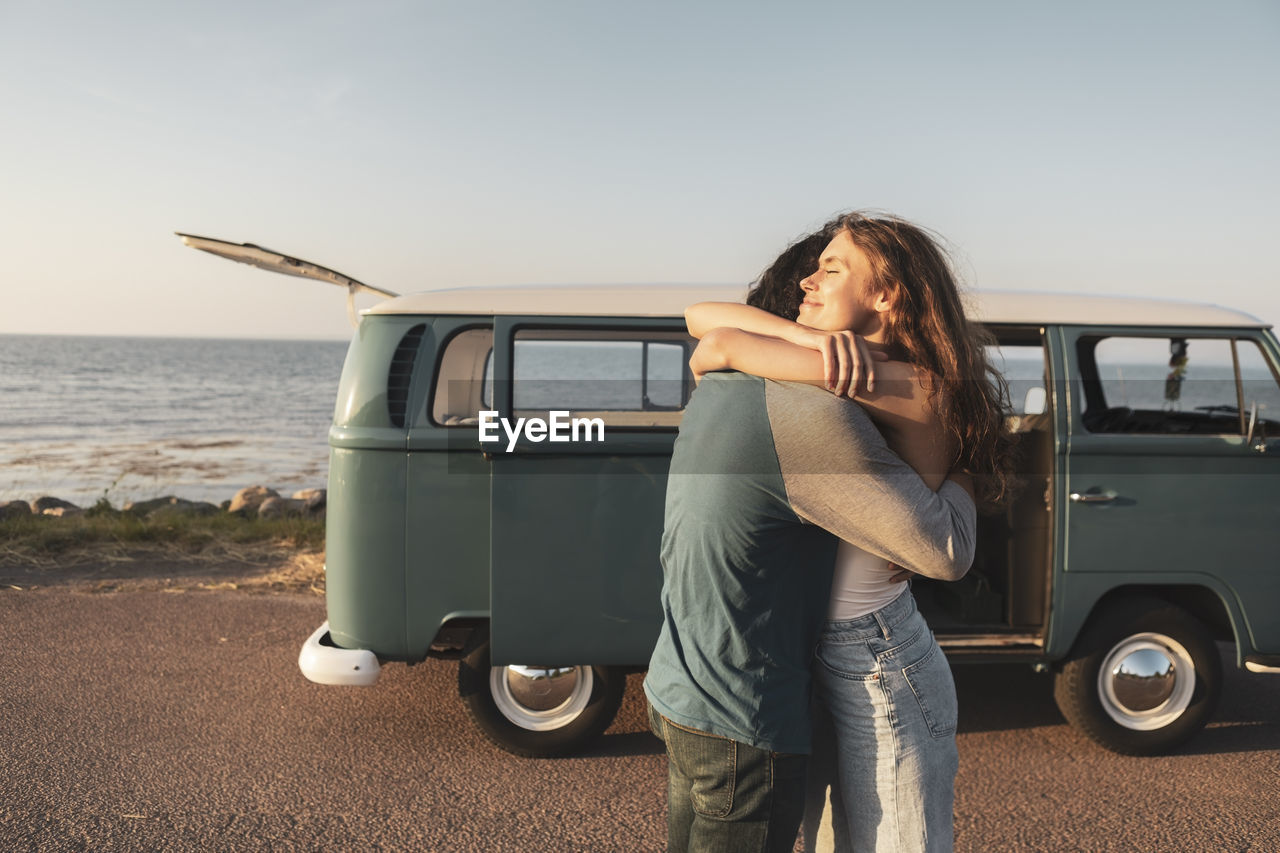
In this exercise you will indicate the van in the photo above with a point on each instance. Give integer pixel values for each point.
(498, 459)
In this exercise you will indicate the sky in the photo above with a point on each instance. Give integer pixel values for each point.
(1098, 147)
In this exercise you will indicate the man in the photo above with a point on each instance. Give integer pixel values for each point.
(760, 473)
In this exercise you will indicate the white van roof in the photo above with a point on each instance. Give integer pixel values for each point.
(670, 300)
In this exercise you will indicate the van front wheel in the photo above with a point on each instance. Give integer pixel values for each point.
(1145, 676)
(539, 711)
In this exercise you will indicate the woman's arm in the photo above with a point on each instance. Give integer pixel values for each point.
(705, 316)
(726, 348)
(845, 355)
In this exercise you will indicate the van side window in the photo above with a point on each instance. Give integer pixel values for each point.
(1172, 385)
(632, 379)
(462, 382)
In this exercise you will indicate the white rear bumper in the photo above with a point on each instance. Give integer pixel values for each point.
(325, 663)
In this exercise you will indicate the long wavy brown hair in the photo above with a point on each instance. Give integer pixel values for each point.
(926, 326)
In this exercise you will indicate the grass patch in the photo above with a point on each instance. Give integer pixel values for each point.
(46, 536)
(106, 550)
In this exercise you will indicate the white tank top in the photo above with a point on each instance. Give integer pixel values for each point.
(860, 584)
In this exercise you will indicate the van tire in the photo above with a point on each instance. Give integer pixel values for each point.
(591, 697)
(1126, 717)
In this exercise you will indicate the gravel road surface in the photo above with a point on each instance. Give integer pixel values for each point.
(179, 721)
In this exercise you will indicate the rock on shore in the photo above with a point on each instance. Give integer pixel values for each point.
(53, 506)
(14, 509)
(248, 500)
(170, 504)
(253, 500)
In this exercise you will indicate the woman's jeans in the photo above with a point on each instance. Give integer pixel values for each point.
(724, 796)
(887, 689)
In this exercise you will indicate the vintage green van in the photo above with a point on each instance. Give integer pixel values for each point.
(1146, 526)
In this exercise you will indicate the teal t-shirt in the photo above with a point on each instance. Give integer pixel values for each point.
(745, 581)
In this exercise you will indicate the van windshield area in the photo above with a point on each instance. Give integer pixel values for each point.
(1176, 386)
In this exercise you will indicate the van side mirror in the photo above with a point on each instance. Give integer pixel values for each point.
(1036, 401)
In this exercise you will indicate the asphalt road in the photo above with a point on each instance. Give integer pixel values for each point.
(179, 721)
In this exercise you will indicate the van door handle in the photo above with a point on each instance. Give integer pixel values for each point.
(1093, 497)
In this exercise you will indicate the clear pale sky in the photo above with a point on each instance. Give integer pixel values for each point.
(1097, 147)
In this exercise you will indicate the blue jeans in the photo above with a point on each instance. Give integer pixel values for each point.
(725, 796)
(891, 701)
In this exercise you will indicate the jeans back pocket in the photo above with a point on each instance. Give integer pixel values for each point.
(709, 762)
(930, 680)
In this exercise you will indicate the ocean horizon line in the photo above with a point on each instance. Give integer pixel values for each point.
(122, 337)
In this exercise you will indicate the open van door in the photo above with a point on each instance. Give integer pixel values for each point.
(248, 253)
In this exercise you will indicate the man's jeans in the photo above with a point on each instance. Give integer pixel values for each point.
(724, 796)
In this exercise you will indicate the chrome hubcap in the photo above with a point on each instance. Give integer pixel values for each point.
(541, 698)
(1146, 681)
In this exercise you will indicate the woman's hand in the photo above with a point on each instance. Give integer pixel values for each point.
(848, 363)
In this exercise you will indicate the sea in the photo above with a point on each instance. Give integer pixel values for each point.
(86, 418)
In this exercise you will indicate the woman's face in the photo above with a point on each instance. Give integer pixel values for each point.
(840, 295)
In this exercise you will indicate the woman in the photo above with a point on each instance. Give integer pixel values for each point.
(879, 288)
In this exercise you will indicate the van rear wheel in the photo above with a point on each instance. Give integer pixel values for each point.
(538, 711)
(1144, 677)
